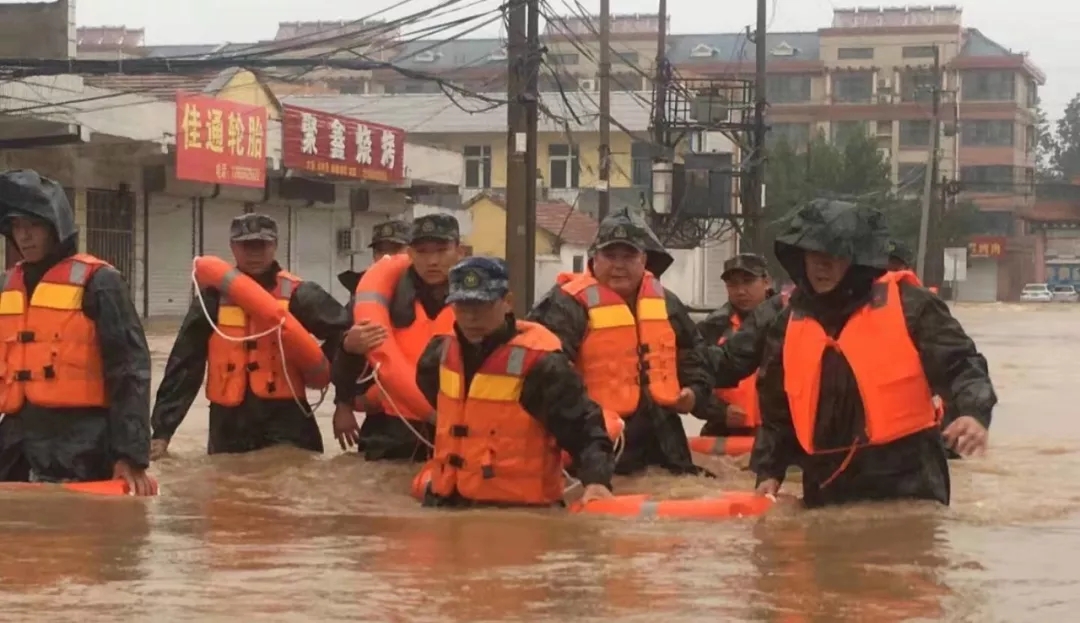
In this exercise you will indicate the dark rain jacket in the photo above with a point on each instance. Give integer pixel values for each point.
(256, 423)
(913, 467)
(384, 436)
(79, 444)
(552, 393)
(653, 436)
(718, 325)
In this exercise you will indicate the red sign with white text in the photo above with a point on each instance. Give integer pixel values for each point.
(319, 142)
(220, 142)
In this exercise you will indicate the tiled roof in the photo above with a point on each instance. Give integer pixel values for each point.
(433, 113)
(163, 86)
(557, 218)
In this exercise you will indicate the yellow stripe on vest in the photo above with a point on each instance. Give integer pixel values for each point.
(496, 387)
(12, 303)
(231, 316)
(652, 309)
(449, 383)
(57, 296)
(610, 316)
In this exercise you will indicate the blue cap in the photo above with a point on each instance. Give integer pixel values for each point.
(481, 279)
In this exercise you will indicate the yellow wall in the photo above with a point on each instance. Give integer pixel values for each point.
(488, 236)
(588, 147)
(245, 88)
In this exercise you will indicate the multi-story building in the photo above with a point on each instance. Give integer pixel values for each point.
(870, 70)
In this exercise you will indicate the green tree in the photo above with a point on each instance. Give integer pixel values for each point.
(1045, 147)
(1066, 154)
(853, 170)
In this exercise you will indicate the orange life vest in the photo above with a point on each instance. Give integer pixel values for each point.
(624, 350)
(487, 447)
(51, 354)
(397, 356)
(875, 342)
(235, 366)
(745, 393)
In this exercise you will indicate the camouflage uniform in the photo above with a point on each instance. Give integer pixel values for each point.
(911, 467)
(654, 435)
(552, 391)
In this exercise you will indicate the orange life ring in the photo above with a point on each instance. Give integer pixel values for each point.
(727, 505)
(614, 425)
(396, 374)
(300, 346)
(95, 487)
(722, 446)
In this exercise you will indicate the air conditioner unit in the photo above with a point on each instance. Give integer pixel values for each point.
(349, 241)
(884, 84)
(587, 84)
(498, 55)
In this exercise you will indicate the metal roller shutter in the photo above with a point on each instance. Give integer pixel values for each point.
(981, 283)
(169, 254)
(281, 215)
(313, 257)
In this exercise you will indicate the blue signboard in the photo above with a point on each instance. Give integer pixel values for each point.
(1063, 274)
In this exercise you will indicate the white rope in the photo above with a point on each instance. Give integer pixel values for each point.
(277, 329)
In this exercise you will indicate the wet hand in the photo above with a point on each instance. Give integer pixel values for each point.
(685, 402)
(346, 430)
(138, 481)
(595, 492)
(735, 417)
(770, 486)
(363, 337)
(159, 449)
(967, 436)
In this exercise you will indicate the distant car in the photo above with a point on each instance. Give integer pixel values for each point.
(1066, 294)
(1036, 293)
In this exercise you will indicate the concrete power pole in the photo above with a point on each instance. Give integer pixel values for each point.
(752, 207)
(532, 104)
(516, 124)
(931, 168)
(604, 185)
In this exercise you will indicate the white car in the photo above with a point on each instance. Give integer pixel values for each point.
(1036, 292)
(1066, 294)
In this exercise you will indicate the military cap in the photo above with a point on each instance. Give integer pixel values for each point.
(435, 227)
(622, 228)
(746, 262)
(253, 227)
(481, 279)
(395, 231)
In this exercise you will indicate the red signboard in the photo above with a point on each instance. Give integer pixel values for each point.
(986, 246)
(220, 142)
(335, 145)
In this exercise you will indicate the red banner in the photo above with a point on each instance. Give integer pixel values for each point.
(220, 142)
(341, 146)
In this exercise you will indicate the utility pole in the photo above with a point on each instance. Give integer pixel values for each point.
(752, 207)
(516, 124)
(931, 168)
(604, 185)
(532, 101)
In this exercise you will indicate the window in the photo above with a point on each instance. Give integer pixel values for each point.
(626, 58)
(564, 166)
(641, 159)
(911, 177)
(478, 166)
(917, 86)
(988, 86)
(1029, 139)
(579, 263)
(797, 135)
(844, 131)
(915, 133)
(918, 51)
(853, 87)
(855, 54)
(564, 59)
(787, 89)
(988, 179)
(1032, 94)
(984, 133)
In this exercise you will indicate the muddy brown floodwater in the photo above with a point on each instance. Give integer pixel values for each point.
(285, 536)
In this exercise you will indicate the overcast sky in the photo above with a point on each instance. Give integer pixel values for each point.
(1047, 29)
